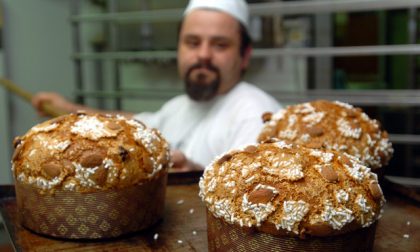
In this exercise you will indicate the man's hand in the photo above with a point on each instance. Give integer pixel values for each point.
(61, 104)
(182, 164)
(54, 99)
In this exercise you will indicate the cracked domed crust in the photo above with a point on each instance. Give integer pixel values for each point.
(89, 152)
(284, 189)
(332, 125)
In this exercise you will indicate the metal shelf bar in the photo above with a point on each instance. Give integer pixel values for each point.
(356, 97)
(303, 52)
(275, 8)
(164, 15)
(328, 6)
(404, 139)
(341, 51)
(128, 55)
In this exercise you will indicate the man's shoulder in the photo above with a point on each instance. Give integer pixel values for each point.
(248, 89)
(247, 93)
(176, 100)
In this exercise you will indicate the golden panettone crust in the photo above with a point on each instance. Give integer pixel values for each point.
(285, 189)
(332, 125)
(89, 152)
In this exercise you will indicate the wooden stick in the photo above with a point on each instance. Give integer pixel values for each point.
(46, 107)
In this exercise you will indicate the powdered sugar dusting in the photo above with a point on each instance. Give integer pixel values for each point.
(313, 118)
(293, 172)
(288, 134)
(345, 128)
(259, 211)
(356, 170)
(283, 145)
(57, 145)
(148, 138)
(341, 196)
(326, 157)
(336, 217)
(366, 214)
(135, 124)
(45, 128)
(304, 108)
(40, 182)
(278, 115)
(83, 175)
(92, 128)
(293, 213)
(344, 105)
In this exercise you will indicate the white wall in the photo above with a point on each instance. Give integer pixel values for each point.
(37, 40)
(4, 132)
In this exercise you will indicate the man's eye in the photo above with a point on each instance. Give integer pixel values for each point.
(221, 46)
(192, 43)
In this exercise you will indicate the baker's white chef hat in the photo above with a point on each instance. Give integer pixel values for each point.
(236, 8)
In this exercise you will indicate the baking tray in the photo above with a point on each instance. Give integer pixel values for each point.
(184, 227)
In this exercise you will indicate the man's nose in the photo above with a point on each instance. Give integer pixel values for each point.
(204, 52)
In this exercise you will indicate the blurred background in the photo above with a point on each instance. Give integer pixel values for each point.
(121, 55)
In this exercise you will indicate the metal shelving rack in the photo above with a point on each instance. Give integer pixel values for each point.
(407, 98)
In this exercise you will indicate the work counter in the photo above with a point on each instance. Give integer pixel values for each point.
(184, 227)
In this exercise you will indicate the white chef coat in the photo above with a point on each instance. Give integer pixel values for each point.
(204, 130)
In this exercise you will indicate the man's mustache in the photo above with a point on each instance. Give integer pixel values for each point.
(206, 65)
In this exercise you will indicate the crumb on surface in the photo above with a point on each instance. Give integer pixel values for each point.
(179, 202)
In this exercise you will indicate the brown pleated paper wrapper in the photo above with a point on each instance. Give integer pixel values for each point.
(96, 215)
(227, 237)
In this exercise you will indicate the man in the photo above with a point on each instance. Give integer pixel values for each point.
(219, 111)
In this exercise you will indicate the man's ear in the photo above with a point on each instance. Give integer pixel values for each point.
(246, 57)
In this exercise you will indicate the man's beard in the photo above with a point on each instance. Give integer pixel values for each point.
(200, 89)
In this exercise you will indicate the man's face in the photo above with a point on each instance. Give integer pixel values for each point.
(208, 54)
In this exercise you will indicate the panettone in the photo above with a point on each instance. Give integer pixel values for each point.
(283, 196)
(90, 176)
(331, 125)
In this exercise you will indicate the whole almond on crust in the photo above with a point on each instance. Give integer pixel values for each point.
(314, 144)
(266, 116)
(17, 151)
(92, 158)
(99, 176)
(352, 113)
(224, 158)
(270, 140)
(51, 169)
(375, 189)
(315, 131)
(113, 126)
(16, 142)
(329, 174)
(58, 119)
(346, 161)
(147, 163)
(68, 166)
(251, 149)
(261, 195)
(267, 134)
